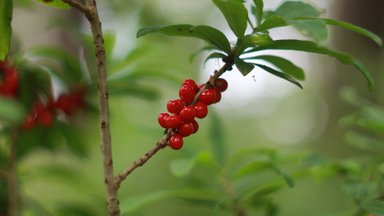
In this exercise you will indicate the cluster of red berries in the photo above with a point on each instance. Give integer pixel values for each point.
(44, 114)
(9, 80)
(192, 103)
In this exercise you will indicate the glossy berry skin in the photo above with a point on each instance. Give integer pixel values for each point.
(187, 113)
(186, 129)
(208, 96)
(175, 106)
(187, 94)
(195, 126)
(176, 141)
(162, 119)
(173, 121)
(221, 84)
(201, 110)
(192, 83)
(217, 95)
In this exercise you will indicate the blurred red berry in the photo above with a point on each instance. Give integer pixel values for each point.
(185, 129)
(217, 95)
(173, 121)
(221, 84)
(192, 83)
(195, 126)
(29, 122)
(208, 96)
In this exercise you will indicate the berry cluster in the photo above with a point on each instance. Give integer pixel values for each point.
(192, 103)
(45, 113)
(9, 80)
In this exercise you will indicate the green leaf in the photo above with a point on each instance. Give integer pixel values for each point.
(182, 167)
(315, 29)
(252, 168)
(73, 139)
(235, 13)
(283, 64)
(288, 179)
(374, 206)
(292, 9)
(215, 55)
(6, 8)
(218, 141)
(206, 33)
(272, 22)
(309, 46)
(259, 10)
(130, 205)
(244, 67)
(348, 26)
(55, 3)
(279, 74)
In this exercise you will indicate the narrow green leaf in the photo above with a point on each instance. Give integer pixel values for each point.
(6, 8)
(206, 33)
(252, 168)
(235, 13)
(279, 74)
(374, 206)
(215, 55)
(283, 64)
(55, 3)
(292, 9)
(348, 26)
(273, 21)
(130, 205)
(218, 141)
(244, 67)
(288, 179)
(259, 10)
(309, 46)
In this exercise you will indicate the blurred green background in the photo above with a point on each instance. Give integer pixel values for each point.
(257, 111)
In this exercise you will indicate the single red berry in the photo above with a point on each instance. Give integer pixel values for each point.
(195, 126)
(162, 119)
(192, 83)
(217, 95)
(187, 93)
(175, 106)
(208, 96)
(176, 141)
(173, 121)
(186, 129)
(201, 110)
(187, 113)
(221, 84)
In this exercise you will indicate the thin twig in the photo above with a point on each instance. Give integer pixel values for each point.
(90, 11)
(164, 140)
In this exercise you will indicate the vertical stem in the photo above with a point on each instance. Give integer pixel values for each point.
(13, 197)
(106, 147)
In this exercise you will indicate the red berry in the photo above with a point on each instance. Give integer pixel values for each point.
(218, 95)
(195, 126)
(162, 119)
(187, 113)
(176, 141)
(186, 129)
(175, 106)
(201, 110)
(187, 93)
(221, 84)
(173, 121)
(192, 83)
(208, 96)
